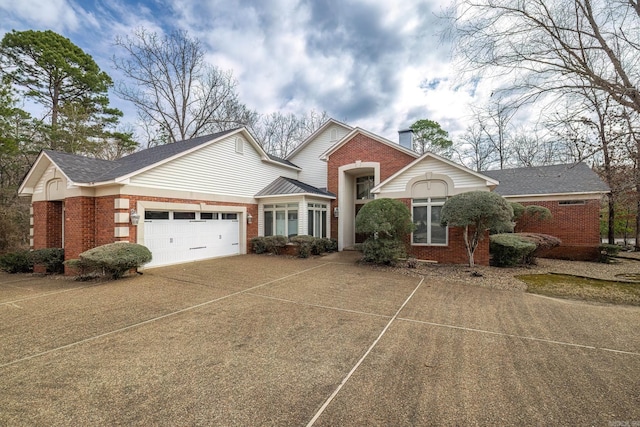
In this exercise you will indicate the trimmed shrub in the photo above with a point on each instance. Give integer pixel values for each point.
(387, 222)
(508, 250)
(51, 258)
(383, 251)
(275, 243)
(259, 245)
(305, 244)
(331, 245)
(17, 262)
(476, 212)
(115, 259)
(543, 243)
(607, 252)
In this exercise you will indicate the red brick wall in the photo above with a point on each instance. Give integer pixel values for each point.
(578, 226)
(47, 225)
(365, 149)
(79, 226)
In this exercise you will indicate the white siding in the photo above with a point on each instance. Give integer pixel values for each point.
(460, 177)
(216, 169)
(314, 170)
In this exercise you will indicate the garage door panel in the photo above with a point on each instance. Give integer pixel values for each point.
(175, 241)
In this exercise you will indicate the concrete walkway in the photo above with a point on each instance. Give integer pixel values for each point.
(261, 340)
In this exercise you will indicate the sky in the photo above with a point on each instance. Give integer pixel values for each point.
(376, 64)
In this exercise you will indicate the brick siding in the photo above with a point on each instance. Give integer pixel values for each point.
(365, 149)
(578, 226)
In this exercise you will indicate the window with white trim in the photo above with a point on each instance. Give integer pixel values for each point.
(427, 213)
(317, 220)
(281, 219)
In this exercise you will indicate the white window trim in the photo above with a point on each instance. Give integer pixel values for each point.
(429, 204)
(287, 209)
(318, 207)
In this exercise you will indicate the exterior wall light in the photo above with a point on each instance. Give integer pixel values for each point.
(135, 217)
(249, 218)
(336, 212)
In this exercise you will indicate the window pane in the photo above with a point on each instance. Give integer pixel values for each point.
(268, 223)
(364, 184)
(438, 199)
(324, 223)
(418, 201)
(438, 232)
(292, 223)
(420, 220)
(280, 223)
(184, 215)
(206, 215)
(292, 205)
(310, 223)
(156, 215)
(229, 216)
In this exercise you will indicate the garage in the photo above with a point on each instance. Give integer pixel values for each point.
(174, 237)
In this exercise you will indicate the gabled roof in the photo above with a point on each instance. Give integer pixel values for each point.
(555, 179)
(490, 181)
(316, 133)
(357, 130)
(87, 170)
(282, 186)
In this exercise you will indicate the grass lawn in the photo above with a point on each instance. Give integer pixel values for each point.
(568, 286)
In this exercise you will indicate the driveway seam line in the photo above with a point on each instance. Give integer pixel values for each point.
(504, 334)
(144, 322)
(364, 356)
(319, 306)
(45, 294)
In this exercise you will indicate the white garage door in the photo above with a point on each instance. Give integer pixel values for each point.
(176, 237)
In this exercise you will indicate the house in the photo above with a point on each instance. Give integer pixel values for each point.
(208, 196)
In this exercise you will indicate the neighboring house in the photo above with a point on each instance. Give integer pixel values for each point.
(208, 196)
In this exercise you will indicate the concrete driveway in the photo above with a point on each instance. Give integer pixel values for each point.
(259, 340)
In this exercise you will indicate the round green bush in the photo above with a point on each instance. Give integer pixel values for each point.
(259, 245)
(508, 250)
(115, 259)
(17, 262)
(51, 258)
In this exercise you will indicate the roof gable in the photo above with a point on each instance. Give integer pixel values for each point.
(543, 180)
(432, 166)
(314, 135)
(368, 134)
(86, 170)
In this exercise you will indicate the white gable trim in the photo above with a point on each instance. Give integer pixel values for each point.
(356, 131)
(35, 173)
(315, 134)
(490, 182)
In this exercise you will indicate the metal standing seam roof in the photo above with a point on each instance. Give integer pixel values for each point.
(87, 169)
(282, 186)
(555, 179)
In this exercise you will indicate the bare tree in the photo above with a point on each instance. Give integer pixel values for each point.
(494, 120)
(540, 46)
(474, 150)
(279, 134)
(177, 93)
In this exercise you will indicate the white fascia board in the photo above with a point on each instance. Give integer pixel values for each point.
(23, 190)
(559, 196)
(296, 195)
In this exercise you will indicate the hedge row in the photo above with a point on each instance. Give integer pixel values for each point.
(23, 261)
(511, 249)
(307, 245)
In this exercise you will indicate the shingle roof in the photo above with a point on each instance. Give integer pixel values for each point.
(282, 186)
(86, 169)
(79, 168)
(555, 179)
